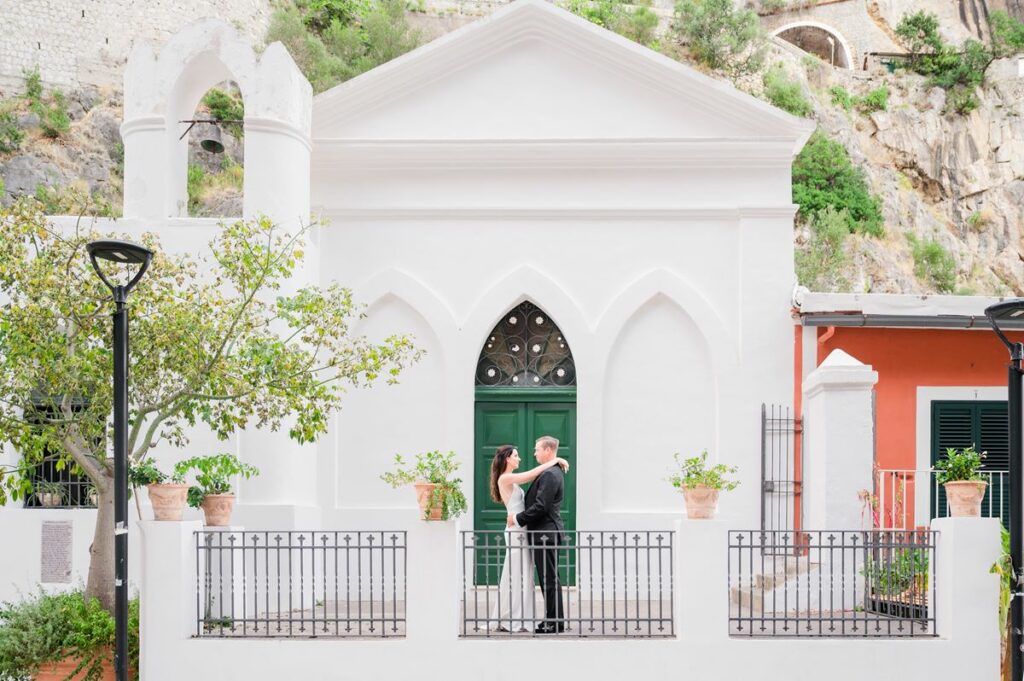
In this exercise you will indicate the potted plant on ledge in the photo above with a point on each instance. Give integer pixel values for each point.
(700, 485)
(965, 487)
(167, 498)
(49, 494)
(212, 491)
(439, 495)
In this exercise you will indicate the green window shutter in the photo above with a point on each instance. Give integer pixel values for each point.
(984, 425)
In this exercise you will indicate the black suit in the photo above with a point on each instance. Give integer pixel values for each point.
(543, 518)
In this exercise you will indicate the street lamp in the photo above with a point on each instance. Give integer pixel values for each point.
(121, 253)
(1007, 313)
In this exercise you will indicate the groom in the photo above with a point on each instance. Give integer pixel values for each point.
(543, 519)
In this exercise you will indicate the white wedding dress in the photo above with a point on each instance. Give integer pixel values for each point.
(514, 608)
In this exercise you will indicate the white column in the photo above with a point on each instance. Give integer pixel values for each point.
(433, 581)
(146, 167)
(839, 441)
(167, 597)
(701, 580)
(276, 171)
(966, 591)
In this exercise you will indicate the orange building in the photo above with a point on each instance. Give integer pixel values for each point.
(942, 375)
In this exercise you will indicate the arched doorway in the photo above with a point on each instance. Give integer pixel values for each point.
(820, 40)
(525, 388)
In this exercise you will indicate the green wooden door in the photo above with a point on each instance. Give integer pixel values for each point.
(984, 425)
(505, 417)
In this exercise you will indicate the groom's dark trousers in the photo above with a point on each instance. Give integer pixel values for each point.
(544, 520)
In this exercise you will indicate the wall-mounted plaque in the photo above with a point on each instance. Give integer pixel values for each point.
(56, 549)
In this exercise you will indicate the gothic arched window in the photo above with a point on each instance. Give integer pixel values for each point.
(526, 350)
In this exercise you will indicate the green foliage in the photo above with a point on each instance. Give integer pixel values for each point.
(228, 349)
(694, 472)
(785, 93)
(979, 219)
(48, 628)
(841, 97)
(74, 200)
(634, 20)
(904, 569)
(145, 472)
(436, 468)
(824, 176)
(213, 475)
(820, 262)
(875, 100)
(349, 43)
(1007, 34)
(1004, 568)
(773, 6)
(933, 264)
(33, 84)
(959, 71)
(720, 35)
(195, 180)
(200, 184)
(958, 465)
(225, 106)
(10, 134)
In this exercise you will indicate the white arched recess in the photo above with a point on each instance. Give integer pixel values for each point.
(689, 329)
(384, 420)
(844, 44)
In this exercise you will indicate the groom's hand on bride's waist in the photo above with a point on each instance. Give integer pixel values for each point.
(511, 521)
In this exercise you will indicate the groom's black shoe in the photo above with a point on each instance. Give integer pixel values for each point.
(549, 628)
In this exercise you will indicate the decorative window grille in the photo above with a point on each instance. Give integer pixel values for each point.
(526, 350)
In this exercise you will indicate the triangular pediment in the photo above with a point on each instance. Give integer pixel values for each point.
(532, 71)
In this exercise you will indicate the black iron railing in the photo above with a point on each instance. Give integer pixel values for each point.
(300, 584)
(614, 584)
(781, 472)
(872, 583)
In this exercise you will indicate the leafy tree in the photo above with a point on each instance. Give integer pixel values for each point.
(720, 35)
(919, 33)
(216, 348)
(824, 176)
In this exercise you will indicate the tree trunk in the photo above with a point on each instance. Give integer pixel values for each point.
(100, 583)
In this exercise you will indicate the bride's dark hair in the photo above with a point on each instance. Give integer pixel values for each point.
(498, 468)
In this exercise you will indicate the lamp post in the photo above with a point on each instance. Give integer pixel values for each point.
(122, 253)
(1013, 311)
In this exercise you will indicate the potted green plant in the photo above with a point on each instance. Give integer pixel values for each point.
(438, 494)
(54, 637)
(701, 485)
(50, 494)
(965, 486)
(167, 493)
(212, 491)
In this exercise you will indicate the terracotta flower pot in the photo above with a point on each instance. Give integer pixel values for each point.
(423, 491)
(168, 500)
(60, 670)
(217, 508)
(49, 499)
(700, 502)
(965, 497)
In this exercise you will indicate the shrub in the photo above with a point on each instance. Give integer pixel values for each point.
(785, 93)
(52, 111)
(959, 465)
(225, 106)
(824, 176)
(33, 84)
(347, 45)
(10, 134)
(213, 475)
(73, 200)
(1007, 34)
(194, 185)
(820, 262)
(979, 219)
(720, 35)
(876, 100)
(318, 15)
(438, 469)
(636, 21)
(841, 97)
(48, 628)
(933, 264)
(773, 6)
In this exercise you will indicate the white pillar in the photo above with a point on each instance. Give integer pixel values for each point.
(701, 580)
(966, 590)
(433, 581)
(167, 615)
(839, 441)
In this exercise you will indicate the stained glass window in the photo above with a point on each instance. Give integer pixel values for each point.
(526, 350)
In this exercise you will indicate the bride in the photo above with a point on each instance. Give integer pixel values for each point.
(514, 609)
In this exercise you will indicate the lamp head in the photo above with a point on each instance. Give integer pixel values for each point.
(1007, 314)
(122, 253)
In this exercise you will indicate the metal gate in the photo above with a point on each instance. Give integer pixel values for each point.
(781, 479)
